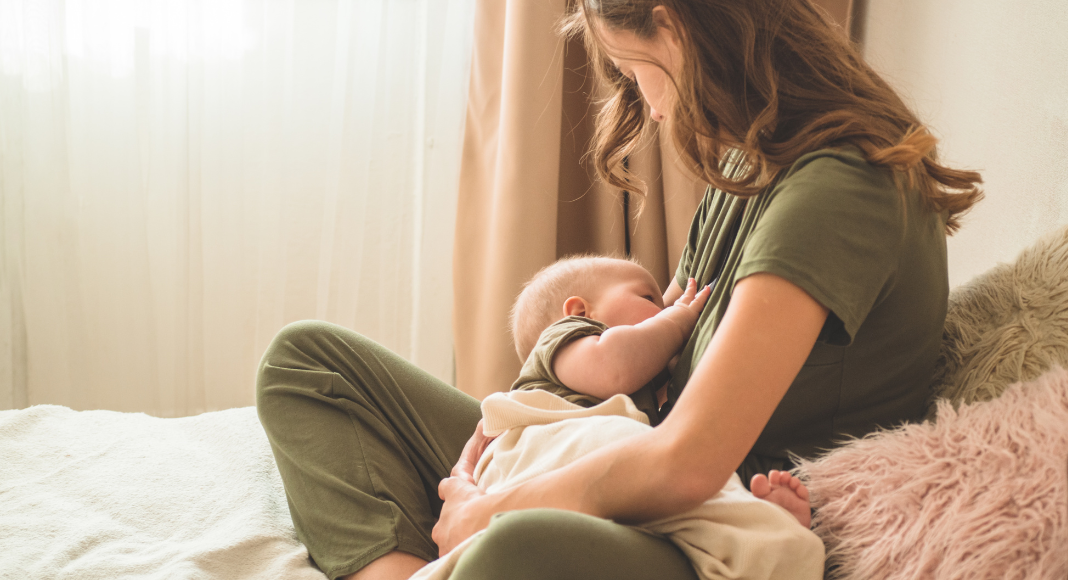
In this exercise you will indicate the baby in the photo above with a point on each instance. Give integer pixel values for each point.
(591, 327)
(594, 331)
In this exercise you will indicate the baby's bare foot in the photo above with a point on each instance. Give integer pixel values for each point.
(784, 490)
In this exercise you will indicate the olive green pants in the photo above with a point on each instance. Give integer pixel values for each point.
(362, 438)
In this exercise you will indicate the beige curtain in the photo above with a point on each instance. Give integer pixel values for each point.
(527, 199)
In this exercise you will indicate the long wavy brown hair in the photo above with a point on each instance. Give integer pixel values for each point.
(771, 80)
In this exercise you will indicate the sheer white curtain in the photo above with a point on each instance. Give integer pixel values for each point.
(181, 178)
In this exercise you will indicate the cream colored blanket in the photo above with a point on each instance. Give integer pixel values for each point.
(100, 495)
(733, 535)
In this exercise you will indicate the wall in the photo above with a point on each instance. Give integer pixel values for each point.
(991, 79)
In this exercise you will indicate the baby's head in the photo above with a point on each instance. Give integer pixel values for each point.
(610, 290)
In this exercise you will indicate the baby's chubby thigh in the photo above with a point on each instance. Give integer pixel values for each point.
(524, 453)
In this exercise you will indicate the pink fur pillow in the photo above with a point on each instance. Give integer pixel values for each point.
(982, 493)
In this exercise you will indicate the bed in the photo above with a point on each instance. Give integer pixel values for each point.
(106, 495)
(100, 494)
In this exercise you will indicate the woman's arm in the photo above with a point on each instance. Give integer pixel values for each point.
(757, 351)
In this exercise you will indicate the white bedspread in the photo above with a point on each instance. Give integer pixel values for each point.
(731, 536)
(106, 495)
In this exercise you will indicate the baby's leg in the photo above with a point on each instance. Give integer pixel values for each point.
(784, 490)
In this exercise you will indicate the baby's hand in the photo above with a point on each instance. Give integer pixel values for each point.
(691, 299)
(687, 308)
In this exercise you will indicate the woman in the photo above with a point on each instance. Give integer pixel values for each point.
(823, 233)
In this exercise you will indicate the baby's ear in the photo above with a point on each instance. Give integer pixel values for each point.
(576, 306)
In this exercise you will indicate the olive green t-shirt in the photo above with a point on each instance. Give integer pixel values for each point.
(840, 229)
(537, 372)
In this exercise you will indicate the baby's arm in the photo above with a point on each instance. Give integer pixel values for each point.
(624, 358)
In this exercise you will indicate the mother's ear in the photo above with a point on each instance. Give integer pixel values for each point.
(576, 306)
(664, 18)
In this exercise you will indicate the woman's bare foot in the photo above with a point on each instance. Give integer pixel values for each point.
(784, 490)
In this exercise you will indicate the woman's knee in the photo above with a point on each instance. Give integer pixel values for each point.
(513, 546)
(545, 543)
(301, 357)
(301, 339)
(311, 345)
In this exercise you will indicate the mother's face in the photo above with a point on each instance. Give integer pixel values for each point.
(647, 61)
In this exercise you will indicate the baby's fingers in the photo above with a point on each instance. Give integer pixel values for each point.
(701, 299)
(688, 294)
(693, 299)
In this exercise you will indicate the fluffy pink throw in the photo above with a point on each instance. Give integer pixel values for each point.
(982, 493)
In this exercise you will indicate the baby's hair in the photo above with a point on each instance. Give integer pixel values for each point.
(541, 301)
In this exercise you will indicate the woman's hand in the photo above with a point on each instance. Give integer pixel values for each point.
(462, 515)
(473, 450)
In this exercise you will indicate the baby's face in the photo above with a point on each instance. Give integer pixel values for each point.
(628, 296)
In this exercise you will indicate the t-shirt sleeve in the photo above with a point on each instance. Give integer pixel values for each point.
(834, 227)
(539, 365)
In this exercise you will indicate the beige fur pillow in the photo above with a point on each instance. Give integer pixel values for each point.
(1009, 324)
